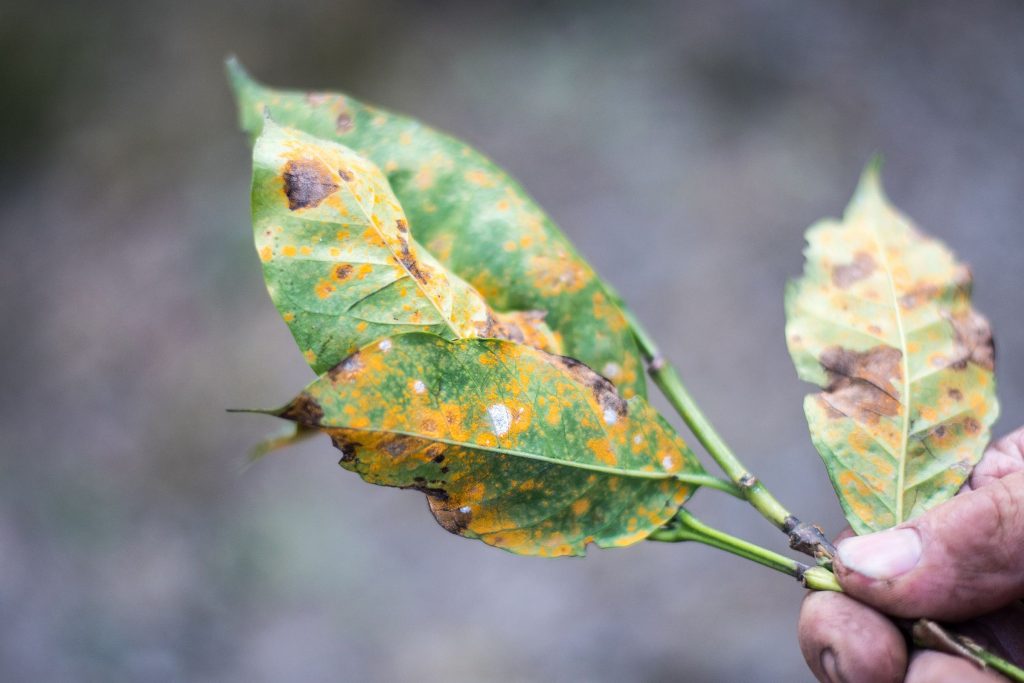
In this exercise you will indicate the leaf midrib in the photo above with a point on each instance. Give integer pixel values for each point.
(905, 394)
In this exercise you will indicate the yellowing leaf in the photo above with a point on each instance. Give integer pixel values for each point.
(882, 320)
(472, 216)
(339, 261)
(530, 452)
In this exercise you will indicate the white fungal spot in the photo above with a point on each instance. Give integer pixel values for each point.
(611, 370)
(501, 419)
(465, 509)
(667, 462)
(610, 416)
(419, 387)
(384, 345)
(638, 439)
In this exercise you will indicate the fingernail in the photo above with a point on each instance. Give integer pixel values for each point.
(829, 666)
(881, 556)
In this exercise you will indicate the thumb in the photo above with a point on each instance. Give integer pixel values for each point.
(960, 560)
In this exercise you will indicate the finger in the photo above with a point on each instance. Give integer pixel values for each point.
(928, 666)
(960, 560)
(844, 641)
(1003, 458)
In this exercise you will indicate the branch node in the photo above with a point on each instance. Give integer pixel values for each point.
(809, 539)
(747, 481)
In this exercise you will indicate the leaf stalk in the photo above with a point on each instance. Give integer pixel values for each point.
(804, 537)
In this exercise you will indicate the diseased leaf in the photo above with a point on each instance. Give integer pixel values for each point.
(882, 320)
(527, 451)
(472, 216)
(340, 264)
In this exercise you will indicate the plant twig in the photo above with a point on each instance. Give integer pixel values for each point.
(685, 527)
(804, 537)
(933, 636)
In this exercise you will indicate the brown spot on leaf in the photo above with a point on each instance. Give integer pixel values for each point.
(347, 448)
(304, 410)
(603, 390)
(410, 263)
(346, 175)
(919, 295)
(845, 275)
(973, 341)
(307, 182)
(343, 123)
(862, 384)
(341, 272)
(453, 519)
(402, 225)
(955, 394)
(972, 426)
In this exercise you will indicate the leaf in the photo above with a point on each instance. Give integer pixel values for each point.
(339, 262)
(527, 451)
(470, 214)
(882, 320)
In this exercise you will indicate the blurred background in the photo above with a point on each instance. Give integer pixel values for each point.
(684, 147)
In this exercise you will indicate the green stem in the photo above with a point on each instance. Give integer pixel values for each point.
(994, 661)
(932, 635)
(803, 537)
(712, 482)
(686, 527)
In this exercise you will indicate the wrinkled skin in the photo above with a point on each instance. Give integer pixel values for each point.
(970, 573)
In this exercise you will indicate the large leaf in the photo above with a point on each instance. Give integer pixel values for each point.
(471, 215)
(527, 451)
(339, 262)
(882, 320)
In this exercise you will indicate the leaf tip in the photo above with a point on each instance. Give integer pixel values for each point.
(869, 188)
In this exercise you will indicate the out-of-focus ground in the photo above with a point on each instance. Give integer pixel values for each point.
(684, 147)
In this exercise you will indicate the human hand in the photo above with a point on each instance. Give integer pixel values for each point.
(963, 561)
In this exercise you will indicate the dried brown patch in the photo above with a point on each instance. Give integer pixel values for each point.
(347, 369)
(862, 384)
(307, 182)
(861, 267)
(347, 447)
(453, 519)
(305, 410)
(410, 263)
(601, 387)
(973, 341)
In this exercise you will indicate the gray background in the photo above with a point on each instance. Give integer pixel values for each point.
(684, 148)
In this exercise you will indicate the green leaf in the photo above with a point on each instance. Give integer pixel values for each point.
(340, 264)
(882, 319)
(471, 215)
(524, 450)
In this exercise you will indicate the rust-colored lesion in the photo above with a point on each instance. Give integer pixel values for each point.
(862, 384)
(307, 182)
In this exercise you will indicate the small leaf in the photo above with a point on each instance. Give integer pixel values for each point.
(471, 215)
(530, 452)
(882, 320)
(340, 264)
